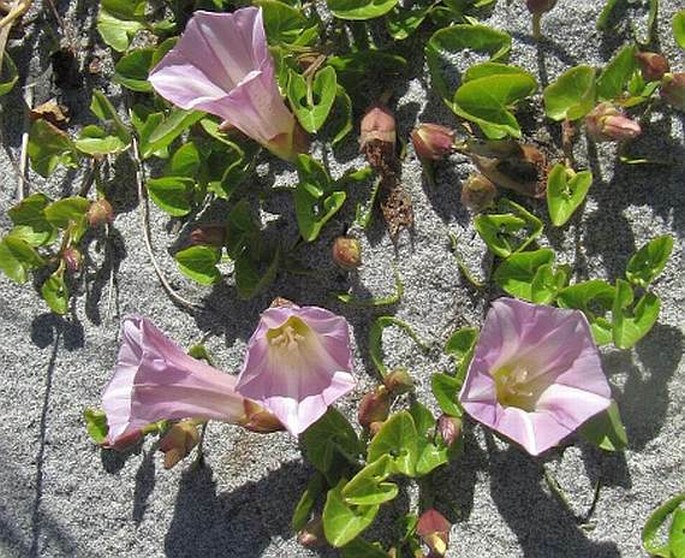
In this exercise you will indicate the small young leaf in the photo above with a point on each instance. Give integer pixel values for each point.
(367, 488)
(572, 95)
(172, 194)
(55, 293)
(96, 424)
(446, 388)
(614, 79)
(631, 323)
(594, 298)
(403, 22)
(360, 9)
(342, 523)
(606, 430)
(312, 101)
(506, 233)
(566, 190)
(515, 274)
(199, 264)
(398, 438)
(48, 147)
(29, 220)
(547, 283)
(652, 528)
(62, 213)
(649, 261)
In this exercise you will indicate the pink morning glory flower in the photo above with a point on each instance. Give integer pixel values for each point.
(536, 375)
(154, 379)
(222, 65)
(298, 362)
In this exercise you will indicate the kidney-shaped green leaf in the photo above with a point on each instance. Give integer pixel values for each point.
(572, 95)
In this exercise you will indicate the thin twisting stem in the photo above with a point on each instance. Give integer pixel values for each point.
(145, 225)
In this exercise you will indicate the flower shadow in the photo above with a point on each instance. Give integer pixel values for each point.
(542, 525)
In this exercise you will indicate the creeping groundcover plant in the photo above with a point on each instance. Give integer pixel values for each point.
(386, 166)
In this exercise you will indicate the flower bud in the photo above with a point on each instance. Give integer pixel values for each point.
(178, 442)
(100, 212)
(312, 535)
(347, 252)
(72, 258)
(477, 193)
(653, 66)
(210, 235)
(258, 419)
(449, 428)
(673, 90)
(434, 531)
(378, 136)
(540, 6)
(398, 381)
(432, 141)
(374, 406)
(607, 123)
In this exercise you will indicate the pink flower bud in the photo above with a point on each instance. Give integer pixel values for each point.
(608, 123)
(398, 381)
(432, 141)
(477, 193)
(653, 66)
(449, 429)
(540, 6)
(210, 235)
(72, 258)
(346, 252)
(100, 212)
(178, 442)
(374, 406)
(673, 90)
(434, 531)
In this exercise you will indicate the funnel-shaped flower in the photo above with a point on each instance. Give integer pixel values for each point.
(536, 375)
(222, 65)
(298, 362)
(155, 380)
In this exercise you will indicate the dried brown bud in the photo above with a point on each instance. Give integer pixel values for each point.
(673, 90)
(653, 66)
(72, 258)
(178, 442)
(312, 535)
(607, 123)
(449, 429)
(209, 235)
(378, 136)
(432, 141)
(346, 252)
(477, 193)
(434, 530)
(374, 406)
(540, 6)
(398, 381)
(100, 212)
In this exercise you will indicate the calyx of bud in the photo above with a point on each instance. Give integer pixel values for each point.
(178, 442)
(432, 141)
(100, 212)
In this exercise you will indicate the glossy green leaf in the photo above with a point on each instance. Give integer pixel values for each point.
(360, 9)
(606, 430)
(367, 487)
(62, 213)
(430, 456)
(339, 123)
(679, 28)
(547, 283)
(343, 523)
(328, 439)
(305, 504)
(403, 22)
(654, 524)
(312, 100)
(572, 95)
(185, 161)
(460, 346)
(55, 293)
(487, 101)
(594, 298)
(199, 263)
(516, 273)
(96, 425)
(649, 261)
(8, 74)
(631, 322)
(115, 32)
(160, 131)
(49, 147)
(256, 268)
(360, 548)
(17, 258)
(676, 535)
(286, 24)
(172, 194)
(399, 439)
(566, 190)
(132, 70)
(30, 223)
(451, 40)
(102, 107)
(506, 233)
(614, 79)
(95, 142)
(446, 388)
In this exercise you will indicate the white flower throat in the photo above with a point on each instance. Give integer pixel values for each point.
(517, 387)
